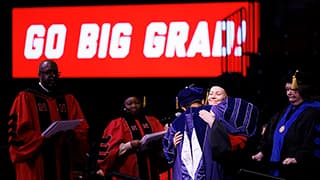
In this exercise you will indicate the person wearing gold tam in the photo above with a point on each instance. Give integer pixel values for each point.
(289, 145)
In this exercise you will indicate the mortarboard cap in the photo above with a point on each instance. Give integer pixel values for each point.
(299, 77)
(230, 82)
(190, 94)
(301, 80)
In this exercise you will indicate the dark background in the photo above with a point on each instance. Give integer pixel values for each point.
(290, 38)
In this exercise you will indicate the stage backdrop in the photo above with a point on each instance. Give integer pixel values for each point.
(195, 40)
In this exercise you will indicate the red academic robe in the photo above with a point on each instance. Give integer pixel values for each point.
(30, 114)
(118, 131)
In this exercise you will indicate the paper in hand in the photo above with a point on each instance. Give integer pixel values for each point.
(148, 138)
(62, 125)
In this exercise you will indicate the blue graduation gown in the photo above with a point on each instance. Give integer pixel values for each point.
(192, 158)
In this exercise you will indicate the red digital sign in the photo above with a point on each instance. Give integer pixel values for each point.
(132, 41)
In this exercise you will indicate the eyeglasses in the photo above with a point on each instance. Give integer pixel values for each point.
(51, 72)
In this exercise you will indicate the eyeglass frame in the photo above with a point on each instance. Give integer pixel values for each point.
(50, 72)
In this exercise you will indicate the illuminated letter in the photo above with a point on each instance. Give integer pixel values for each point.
(200, 41)
(34, 42)
(218, 49)
(155, 39)
(56, 37)
(120, 40)
(241, 38)
(87, 47)
(104, 40)
(177, 37)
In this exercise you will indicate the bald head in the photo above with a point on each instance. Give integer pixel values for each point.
(48, 74)
(47, 64)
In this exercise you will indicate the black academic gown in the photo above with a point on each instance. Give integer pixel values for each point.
(298, 143)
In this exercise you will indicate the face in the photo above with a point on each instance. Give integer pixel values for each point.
(293, 95)
(48, 74)
(133, 105)
(216, 95)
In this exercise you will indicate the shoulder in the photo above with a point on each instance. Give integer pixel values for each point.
(24, 94)
(179, 122)
(311, 113)
(152, 118)
(117, 121)
(70, 96)
(205, 107)
(312, 109)
(155, 123)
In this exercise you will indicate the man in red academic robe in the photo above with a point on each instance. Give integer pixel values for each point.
(34, 156)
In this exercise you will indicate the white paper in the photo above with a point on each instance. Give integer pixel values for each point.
(146, 139)
(62, 125)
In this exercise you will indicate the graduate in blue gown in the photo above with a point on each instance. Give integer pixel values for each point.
(189, 145)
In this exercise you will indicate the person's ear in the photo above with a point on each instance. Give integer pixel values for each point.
(184, 109)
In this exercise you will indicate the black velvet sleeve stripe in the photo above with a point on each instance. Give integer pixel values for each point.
(317, 140)
(102, 157)
(13, 117)
(12, 123)
(105, 139)
(16, 143)
(103, 149)
(12, 126)
(12, 134)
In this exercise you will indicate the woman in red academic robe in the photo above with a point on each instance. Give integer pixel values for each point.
(120, 154)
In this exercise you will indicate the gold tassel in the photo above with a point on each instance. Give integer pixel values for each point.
(294, 84)
(206, 98)
(144, 104)
(177, 103)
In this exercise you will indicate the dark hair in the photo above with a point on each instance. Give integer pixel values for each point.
(232, 83)
(306, 86)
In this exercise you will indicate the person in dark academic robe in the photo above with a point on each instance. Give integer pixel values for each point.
(289, 145)
(120, 154)
(185, 143)
(188, 144)
(34, 156)
(232, 122)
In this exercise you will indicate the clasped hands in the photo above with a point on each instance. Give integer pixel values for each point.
(287, 161)
(208, 116)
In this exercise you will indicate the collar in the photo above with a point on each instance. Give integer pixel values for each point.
(43, 87)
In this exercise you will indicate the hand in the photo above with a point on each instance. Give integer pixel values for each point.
(288, 161)
(135, 144)
(257, 157)
(177, 138)
(207, 116)
(166, 126)
(100, 172)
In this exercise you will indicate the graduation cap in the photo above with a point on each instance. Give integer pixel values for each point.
(230, 82)
(189, 95)
(138, 92)
(301, 80)
(294, 84)
(143, 98)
